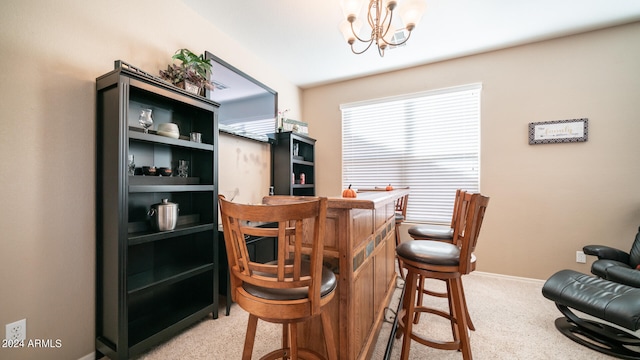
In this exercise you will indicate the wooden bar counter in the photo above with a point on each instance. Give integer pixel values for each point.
(360, 248)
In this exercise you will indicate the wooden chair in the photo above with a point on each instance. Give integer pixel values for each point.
(292, 289)
(443, 261)
(438, 232)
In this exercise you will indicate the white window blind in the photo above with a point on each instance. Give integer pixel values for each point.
(428, 141)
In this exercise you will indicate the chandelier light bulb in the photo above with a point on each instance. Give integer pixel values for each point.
(411, 12)
(390, 4)
(351, 8)
(381, 45)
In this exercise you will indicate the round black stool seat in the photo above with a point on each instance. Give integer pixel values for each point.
(328, 284)
(429, 252)
(431, 232)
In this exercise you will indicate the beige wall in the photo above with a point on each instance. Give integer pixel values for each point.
(547, 201)
(245, 169)
(52, 51)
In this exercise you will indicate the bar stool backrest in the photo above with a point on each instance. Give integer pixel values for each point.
(401, 205)
(295, 221)
(470, 217)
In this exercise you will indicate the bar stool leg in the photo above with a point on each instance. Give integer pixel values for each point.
(293, 345)
(464, 298)
(421, 292)
(250, 337)
(285, 336)
(453, 313)
(409, 308)
(461, 318)
(328, 336)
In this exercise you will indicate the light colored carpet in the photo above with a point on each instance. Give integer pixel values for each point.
(512, 319)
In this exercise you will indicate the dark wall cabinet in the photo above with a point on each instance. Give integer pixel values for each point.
(293, 170)
(152, 284)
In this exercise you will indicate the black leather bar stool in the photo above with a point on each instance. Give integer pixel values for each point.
(444, 261)
(438, 232)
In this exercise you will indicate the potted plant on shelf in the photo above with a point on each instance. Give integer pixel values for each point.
(191, 74)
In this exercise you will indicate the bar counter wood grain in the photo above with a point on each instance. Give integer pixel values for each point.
(360, 248)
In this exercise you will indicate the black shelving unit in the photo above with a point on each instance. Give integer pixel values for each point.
(287, 167)
(150, 284)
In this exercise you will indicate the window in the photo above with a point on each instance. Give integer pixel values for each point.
(429, 141)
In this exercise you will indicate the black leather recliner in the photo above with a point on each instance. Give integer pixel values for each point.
(616, 265)
(612, 296)
(603, 299)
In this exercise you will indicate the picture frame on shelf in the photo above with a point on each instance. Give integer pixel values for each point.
(295, 126)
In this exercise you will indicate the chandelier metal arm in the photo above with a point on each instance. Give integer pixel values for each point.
(365, 49)
(384, 24)
(358, 37)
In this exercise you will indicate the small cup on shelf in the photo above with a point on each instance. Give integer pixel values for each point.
(183, 168)
(196, 137)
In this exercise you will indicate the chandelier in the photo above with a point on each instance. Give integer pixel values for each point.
(379, 16)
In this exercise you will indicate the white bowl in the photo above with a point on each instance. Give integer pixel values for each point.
(170, 134)
(168, 127)
(169, 130)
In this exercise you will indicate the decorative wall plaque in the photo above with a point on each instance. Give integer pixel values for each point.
(559, 131)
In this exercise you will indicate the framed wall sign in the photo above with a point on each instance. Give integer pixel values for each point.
(559, 131)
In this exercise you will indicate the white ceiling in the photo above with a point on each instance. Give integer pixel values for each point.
(301, 40)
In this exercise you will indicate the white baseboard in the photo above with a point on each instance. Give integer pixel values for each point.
(531, 280)
(91, 356)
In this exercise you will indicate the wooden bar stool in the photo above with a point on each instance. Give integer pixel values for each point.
(438, 232)
(294, 288)
(444, 261)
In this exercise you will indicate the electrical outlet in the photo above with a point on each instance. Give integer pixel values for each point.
(17, 331)
(581, 257)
